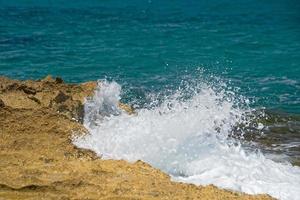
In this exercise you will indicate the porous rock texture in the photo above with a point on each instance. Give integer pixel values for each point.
(38, 160)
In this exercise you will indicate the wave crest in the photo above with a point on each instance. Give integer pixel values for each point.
(187, 138)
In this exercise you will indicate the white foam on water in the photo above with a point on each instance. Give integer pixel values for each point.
(187, 139)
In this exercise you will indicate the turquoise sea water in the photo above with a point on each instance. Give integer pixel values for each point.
(151, 44)
(246, 54)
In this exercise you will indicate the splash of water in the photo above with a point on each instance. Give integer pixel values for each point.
(187, 138)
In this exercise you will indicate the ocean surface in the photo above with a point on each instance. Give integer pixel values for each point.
(215, 84)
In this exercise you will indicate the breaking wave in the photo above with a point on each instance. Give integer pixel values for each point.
(187, 134)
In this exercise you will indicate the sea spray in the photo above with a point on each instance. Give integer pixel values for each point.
(187, 137)
(103, 103)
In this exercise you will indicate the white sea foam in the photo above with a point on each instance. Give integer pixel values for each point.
(187, 139)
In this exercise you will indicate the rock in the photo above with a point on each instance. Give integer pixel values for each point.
(2, 105)
(89, 86)
(26, 89)
(33, 98)
(59, 80)
(126, 108)
(38, 159)
(61, 97)
(67, 99)
(11, 86)
(65, 105)
(48, 79)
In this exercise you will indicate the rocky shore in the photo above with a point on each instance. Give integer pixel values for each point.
(38, 160)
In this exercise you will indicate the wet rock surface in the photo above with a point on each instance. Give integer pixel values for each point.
(39, 161)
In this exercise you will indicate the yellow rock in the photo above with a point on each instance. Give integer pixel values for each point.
(39, 161)
(126, 108)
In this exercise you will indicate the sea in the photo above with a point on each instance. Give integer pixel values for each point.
(215, 85)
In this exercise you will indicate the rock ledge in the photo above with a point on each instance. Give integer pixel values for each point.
(39, 161)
